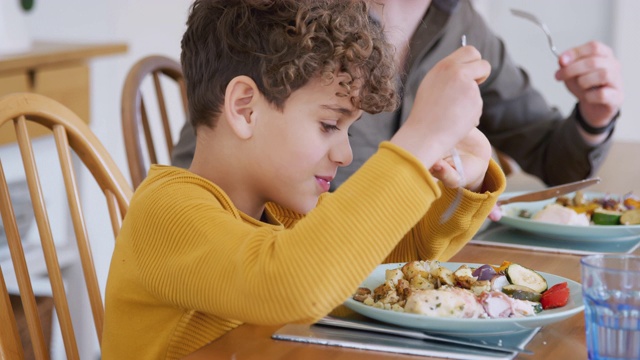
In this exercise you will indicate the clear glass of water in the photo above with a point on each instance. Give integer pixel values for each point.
(611, 292)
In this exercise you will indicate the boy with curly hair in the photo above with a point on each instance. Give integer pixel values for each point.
(249, 232)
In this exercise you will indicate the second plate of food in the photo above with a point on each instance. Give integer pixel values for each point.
(590, 233)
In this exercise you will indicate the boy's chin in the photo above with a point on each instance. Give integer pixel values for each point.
(304, 210)
(304, 207)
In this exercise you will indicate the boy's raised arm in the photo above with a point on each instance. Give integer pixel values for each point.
(447, 107)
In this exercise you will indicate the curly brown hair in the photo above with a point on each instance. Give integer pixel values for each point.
(281, 45)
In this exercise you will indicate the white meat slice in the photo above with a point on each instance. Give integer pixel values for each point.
(496, 304)
(523, 308)
(444, 302)
(558, 214)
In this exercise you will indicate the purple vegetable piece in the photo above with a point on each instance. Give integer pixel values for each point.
(484, 272)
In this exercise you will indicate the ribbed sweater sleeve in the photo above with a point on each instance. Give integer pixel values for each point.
(195, 253)
(440, 237)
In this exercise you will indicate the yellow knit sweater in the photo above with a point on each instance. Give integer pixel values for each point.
(189, 267)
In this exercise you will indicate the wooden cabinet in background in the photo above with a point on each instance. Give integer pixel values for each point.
(57, 70)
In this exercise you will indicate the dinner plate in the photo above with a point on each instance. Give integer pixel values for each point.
(467, 327)
(591, 233)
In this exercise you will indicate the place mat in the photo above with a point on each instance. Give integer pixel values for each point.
(504, 236)
(365, 340)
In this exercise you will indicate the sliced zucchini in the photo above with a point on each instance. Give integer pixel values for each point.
(521, 292)
(606, 217)
(520, 275)
(630, 217)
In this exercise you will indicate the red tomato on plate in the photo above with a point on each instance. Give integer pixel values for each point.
(556, 296)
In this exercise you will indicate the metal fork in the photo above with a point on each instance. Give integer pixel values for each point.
(542, 25)
(458, 164)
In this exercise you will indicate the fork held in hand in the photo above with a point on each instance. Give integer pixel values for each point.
(542, 25)
(458, 164)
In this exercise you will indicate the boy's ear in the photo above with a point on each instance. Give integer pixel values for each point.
(240, 99)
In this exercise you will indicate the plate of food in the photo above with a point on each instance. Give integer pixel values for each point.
(579, 216)
(471, 309)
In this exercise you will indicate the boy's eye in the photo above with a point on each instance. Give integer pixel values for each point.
(329, 127)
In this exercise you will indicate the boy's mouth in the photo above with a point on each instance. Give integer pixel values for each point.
(324, 182)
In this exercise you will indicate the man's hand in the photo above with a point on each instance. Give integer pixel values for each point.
(592, 73)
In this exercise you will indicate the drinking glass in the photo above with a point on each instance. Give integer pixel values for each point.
(611, 292)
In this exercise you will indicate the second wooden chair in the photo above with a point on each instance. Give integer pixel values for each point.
(141, 150)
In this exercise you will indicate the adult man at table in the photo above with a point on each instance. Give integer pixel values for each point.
(516, 119)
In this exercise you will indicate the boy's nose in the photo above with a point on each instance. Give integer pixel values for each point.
(341, 153)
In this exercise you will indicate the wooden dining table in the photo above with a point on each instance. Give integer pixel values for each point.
(560, 340)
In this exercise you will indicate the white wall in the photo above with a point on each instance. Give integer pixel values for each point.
(626, 30)
(156, 27)
(147, 26)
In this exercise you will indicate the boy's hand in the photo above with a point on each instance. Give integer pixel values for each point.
(496, 213)
(475, 152)
(447, 106)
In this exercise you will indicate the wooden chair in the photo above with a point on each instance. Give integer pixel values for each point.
(69, 133)
(10, 347)
(135, 115)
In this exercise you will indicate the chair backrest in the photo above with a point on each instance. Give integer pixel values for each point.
(10, 347)
(69, 133)
(135, 115)
(508, 165)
